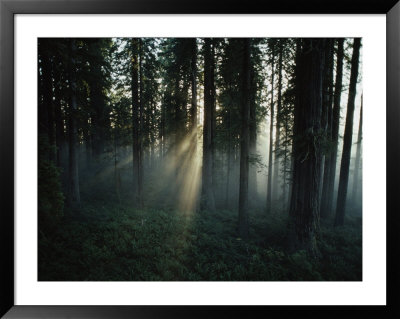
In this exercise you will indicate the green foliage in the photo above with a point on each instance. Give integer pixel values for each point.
(124, 244)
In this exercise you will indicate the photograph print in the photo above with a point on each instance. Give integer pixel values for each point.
(200, 159)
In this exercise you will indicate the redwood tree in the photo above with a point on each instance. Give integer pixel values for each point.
(207, 200)
(307, 150)
(244, 144)
(335, 128)
(348, 136)
(271, 130)
(73, 176)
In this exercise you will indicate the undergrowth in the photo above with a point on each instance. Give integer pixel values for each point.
(119, 243)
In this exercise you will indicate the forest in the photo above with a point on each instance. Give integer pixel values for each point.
(200, 159)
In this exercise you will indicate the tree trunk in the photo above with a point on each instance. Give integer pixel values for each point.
(58, 117)
(74, 194)
(86, 140)
(335, 128)
(357, 165)
(253, 137)
(193, 110)
(327, 107)
(278, 126)
(141, 128)
(162, 131)
(229, 158)
(213, 113)
(348, 135)
(97, 105)
(271, 130)
(48, 101)
(42, 110)
(207, 200)
(135, 116)
(307, 150)
(244, 145)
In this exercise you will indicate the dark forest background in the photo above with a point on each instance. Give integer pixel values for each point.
(199, 159)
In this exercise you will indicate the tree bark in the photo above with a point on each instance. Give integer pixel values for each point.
(335, 128)
(48, 122)
(327, 107)
(58, 117)
(356, 182)
(135, 115)
(141, 127)
(253, 136)
(213, 113)
(276, 189)
(348, 135)
(271, 130)
(303, 222)
(244, 145)
(207, 200)
(193, 110)
(74, 193)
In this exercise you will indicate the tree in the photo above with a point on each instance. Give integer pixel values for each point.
(58, 115)
(208, 202)
(99, 114)
(348, 135)
(230, 84)
(358, 156)
(327, 123)
(286, 115)
(335, 129)
(244, 144)
(46, 108)
(193, 109)
(271, 129)
(278, 120)
(303, 221)
(141, 126)
(135, 118)
(73, 176)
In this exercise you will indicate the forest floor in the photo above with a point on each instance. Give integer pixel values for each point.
(119, 243)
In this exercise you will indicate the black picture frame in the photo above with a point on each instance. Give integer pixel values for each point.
(8, 8)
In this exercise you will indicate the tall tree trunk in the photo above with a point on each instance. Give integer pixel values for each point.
(213, 113)
(307, 149)
(74, 194)
(357, 165)
(86, 139)
(253, 136)
(207, 201)
(162, 130)
(97, 105)
(276, 189)
(244, 145)
(228, 175)
(335, 128)
(229, 158)
(48, 100)
(348, 135)
(42, 110)
(271, 131)
(177, 125)
(141, 127)
(193, 109)
(152, 130)
(327, 107)
(135, 115)
(117, 176)
(285, 178)
(58, 117)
